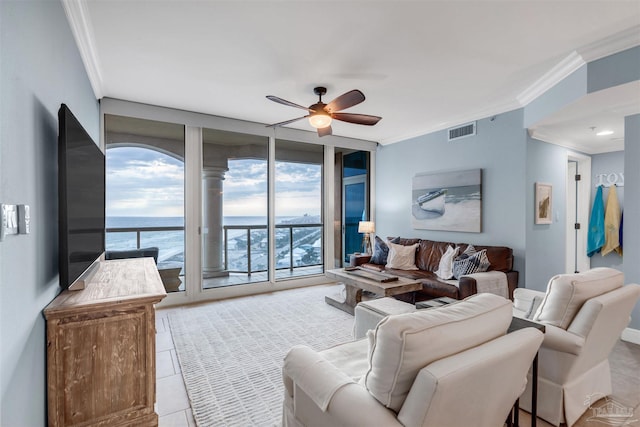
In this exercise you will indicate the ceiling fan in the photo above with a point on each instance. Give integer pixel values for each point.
(321, 114)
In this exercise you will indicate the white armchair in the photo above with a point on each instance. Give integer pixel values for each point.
(432, 367)
(584, 315)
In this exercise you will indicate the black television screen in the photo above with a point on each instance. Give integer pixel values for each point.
(81, 198)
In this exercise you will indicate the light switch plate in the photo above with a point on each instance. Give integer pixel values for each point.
(9, 220)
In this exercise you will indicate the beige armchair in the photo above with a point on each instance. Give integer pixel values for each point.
(584, 315)
(450, 366)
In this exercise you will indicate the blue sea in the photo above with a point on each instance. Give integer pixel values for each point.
(170, 242)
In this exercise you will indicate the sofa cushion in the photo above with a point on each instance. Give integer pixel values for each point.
(402, 257)
(430, 253)
(567, 292)
(403, 240)
(403, 344)
(500, 257)
(445, 268)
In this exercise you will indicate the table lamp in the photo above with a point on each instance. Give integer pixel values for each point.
(366, 227)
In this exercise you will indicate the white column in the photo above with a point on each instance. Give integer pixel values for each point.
(212, 265)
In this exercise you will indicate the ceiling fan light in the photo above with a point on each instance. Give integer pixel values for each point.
(320, 120)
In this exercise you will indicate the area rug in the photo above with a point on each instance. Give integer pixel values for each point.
(231, 351)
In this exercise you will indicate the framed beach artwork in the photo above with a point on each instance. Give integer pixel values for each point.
(447, 201)
(543, 203)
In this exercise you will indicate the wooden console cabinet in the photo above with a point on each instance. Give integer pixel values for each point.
(101, 348)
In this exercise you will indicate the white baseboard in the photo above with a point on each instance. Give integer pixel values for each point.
(631, 335)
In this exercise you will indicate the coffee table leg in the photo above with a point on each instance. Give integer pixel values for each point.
(353, 297)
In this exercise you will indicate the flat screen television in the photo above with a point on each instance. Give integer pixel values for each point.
(81, 199)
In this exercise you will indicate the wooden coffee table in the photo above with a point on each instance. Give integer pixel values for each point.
(354, 285)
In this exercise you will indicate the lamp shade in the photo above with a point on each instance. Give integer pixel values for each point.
(366, 227)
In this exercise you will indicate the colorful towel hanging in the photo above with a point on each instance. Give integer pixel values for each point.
(595, 237)
(612, 223)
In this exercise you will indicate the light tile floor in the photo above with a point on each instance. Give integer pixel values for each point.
(171, 396)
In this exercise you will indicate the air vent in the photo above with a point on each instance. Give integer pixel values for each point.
(462, 131)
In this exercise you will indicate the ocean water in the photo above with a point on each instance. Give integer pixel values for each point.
(170, 243)
(306, 244)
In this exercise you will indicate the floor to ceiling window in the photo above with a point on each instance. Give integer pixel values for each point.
(298, 209)
(145, 192)
(227, 202)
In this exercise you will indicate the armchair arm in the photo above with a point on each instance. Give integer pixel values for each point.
(560, 340)
(345, 402)
(314, 375)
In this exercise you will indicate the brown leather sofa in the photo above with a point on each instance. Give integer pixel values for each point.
(428, 259)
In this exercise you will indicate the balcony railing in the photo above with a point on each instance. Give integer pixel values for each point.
(294, 247)
(245, 246)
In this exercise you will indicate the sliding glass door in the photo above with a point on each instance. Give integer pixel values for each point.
(235, 238)
(355, 200)
(235, 216)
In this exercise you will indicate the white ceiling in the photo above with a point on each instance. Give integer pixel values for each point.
(423, 65)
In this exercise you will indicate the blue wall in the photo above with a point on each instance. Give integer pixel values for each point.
(631, 227)
(545, 243)
(498, 148)
(40, 69)
(613, 70)
(572, 88)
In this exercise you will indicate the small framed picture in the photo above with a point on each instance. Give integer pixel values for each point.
(543, 203)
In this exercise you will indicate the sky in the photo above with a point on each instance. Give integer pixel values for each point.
(143, 182)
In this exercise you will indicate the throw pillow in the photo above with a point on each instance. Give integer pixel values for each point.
(475, 263)
(467, 252)
(445, 268)
(380, 252)
(402, 257)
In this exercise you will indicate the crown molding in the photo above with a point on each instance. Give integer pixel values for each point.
(551, 78)
(77, 13)
(608, 46)
(613, 44)
(551, 139)
(540, 136)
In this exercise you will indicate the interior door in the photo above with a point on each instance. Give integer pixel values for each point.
(572, 218)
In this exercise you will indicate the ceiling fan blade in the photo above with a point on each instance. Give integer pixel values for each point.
(287, 122)
(325, 131)
(359, 119)
(285, 102)
(346, 100)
